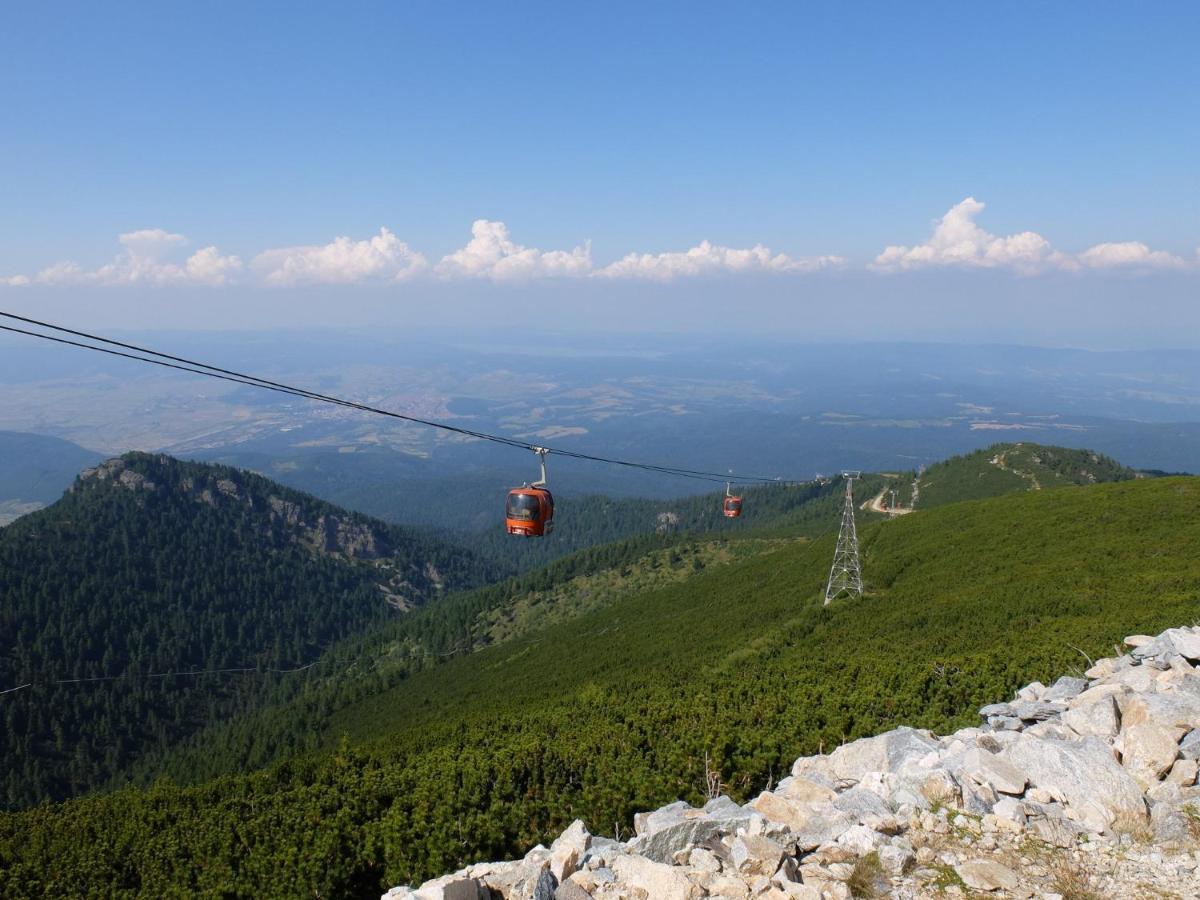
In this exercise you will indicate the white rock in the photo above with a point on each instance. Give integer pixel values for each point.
(793, 890)
(987, 875)
(889, 752)
(860, 839)
(1099, 718)
(1010, 813)
(896, 860)
(1097, 692)
(1184, 772)
(1033, 691)
(862, 805)
(810, 824)
(940, 787)
(755, 855)
(1185, 642)
(797, 787)
(1174, 710)
(1149, 751)
(1065, 689)
(569, 890)
(1084, 774)
(729, 886)
(1189, 747)
(995, 771)
(567, 851)
(656, 879)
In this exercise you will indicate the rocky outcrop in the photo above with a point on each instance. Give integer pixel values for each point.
(117, 471)
(1085, 787)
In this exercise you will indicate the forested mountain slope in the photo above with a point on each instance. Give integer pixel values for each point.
(616, 709)
(150, 565)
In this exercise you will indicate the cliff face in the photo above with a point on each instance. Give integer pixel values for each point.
(1085, 788)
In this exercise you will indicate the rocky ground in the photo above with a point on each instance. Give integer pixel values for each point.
(1083, 789)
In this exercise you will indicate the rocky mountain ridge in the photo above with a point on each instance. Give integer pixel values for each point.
(1086, 788)
(321, 529)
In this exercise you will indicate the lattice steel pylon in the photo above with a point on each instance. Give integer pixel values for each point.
(845, 576)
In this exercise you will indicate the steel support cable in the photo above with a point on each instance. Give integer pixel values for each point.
(200, 368)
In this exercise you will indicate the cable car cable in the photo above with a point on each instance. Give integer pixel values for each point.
(194, 367)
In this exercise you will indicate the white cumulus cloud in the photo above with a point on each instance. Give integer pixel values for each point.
(1128, 255)
(958, 241)
(491, 253)
(711, 259)
(383, 257)
(145, 259)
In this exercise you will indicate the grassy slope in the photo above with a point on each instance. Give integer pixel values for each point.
(299, 711)
(614, 710)
(1010, 468)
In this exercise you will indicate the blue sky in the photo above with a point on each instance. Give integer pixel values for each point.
(818, 131)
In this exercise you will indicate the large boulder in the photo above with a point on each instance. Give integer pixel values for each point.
(1177, 709)
(1184, 642)
(1148, 752)
(1065, 689)
(567, 851)
(1083, 774)
(809, 824)
(1098, 719)
(755, 855)
(862, 805)
(663, 882)
(999, 774)
(1038, 710)
(895, 752)
(804, 790)
(665, 832)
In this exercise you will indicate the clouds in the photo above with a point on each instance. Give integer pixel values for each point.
(710, 259)
(958, 242)
(156, 257)
(149, 256)
(492, 254)
(383, 257)
(1128, 254)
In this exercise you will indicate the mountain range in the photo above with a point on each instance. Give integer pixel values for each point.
(455, 711)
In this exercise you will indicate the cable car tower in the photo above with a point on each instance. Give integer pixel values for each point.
(845, 576)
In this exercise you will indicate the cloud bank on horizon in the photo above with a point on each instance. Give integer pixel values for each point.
(958, 242)
(157, 257)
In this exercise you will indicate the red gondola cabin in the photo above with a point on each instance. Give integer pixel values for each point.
(733, 507)
(529, 511)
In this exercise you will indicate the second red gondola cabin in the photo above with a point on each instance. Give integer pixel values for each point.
(733, 507)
